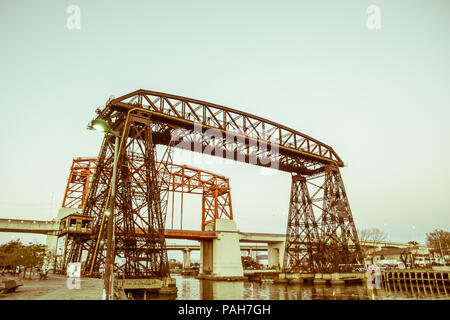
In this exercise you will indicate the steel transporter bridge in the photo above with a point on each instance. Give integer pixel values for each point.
(320, 233)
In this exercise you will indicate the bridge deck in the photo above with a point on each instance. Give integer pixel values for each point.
(52, 227)
(189, 234)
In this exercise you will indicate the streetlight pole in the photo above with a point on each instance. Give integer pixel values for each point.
(103, 126)
(109, 263)
(442, 252)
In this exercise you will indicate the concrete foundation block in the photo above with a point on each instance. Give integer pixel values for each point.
(308, 277)
(221, 258)
(290, 276)
(284, 280)
(320, 281)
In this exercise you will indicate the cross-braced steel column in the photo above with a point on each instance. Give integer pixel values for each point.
(96, 203)
(140, 241)
(139, 228)
(339, 246)
(301, 233)
(321, 235)
(163, 169)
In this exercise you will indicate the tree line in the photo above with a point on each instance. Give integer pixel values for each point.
(438, 240)
(17, 257)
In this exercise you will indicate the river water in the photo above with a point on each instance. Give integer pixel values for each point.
(190, 288)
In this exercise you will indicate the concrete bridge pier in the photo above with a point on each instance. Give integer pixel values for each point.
(186, 258)
(275, 254)
(51, 242)
(220, 258)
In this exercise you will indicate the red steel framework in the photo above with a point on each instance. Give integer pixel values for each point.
(174, 178)
(227, 132)
(215, 191)
(78, 182)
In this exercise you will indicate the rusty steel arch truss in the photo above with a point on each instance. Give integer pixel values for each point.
(225, 132)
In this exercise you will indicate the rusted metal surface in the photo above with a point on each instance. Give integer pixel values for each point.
(190, 234)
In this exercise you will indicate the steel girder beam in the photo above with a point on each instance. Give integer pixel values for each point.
(78, 182)
(232, 147)
(239, 133)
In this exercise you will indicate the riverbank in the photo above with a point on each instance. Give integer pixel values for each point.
(56, 288)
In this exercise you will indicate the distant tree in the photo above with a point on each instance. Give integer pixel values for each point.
(413, 252)
(374, 235)
(51, 260)
(32, 255)
(439, 240)
(404, 256)
(14, 254)
(249, 263)
(173, 264)
(9, 255)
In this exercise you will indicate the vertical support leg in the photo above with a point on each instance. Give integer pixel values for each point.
(321, 235)
(95, 205)
(139, 226)
(339, 246)
(301, 233)
(164, 176)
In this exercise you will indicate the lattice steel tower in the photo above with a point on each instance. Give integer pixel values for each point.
(139, 228)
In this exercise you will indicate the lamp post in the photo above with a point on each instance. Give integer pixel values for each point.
(103, 126)
(442, 252)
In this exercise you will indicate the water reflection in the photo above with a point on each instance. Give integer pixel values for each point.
(190, 288)
(221, 290)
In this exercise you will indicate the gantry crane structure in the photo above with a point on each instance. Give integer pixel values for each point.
(173, 178)
(78, 182)
(320, 236)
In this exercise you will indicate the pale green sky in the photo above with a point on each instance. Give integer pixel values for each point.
(380, 98)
